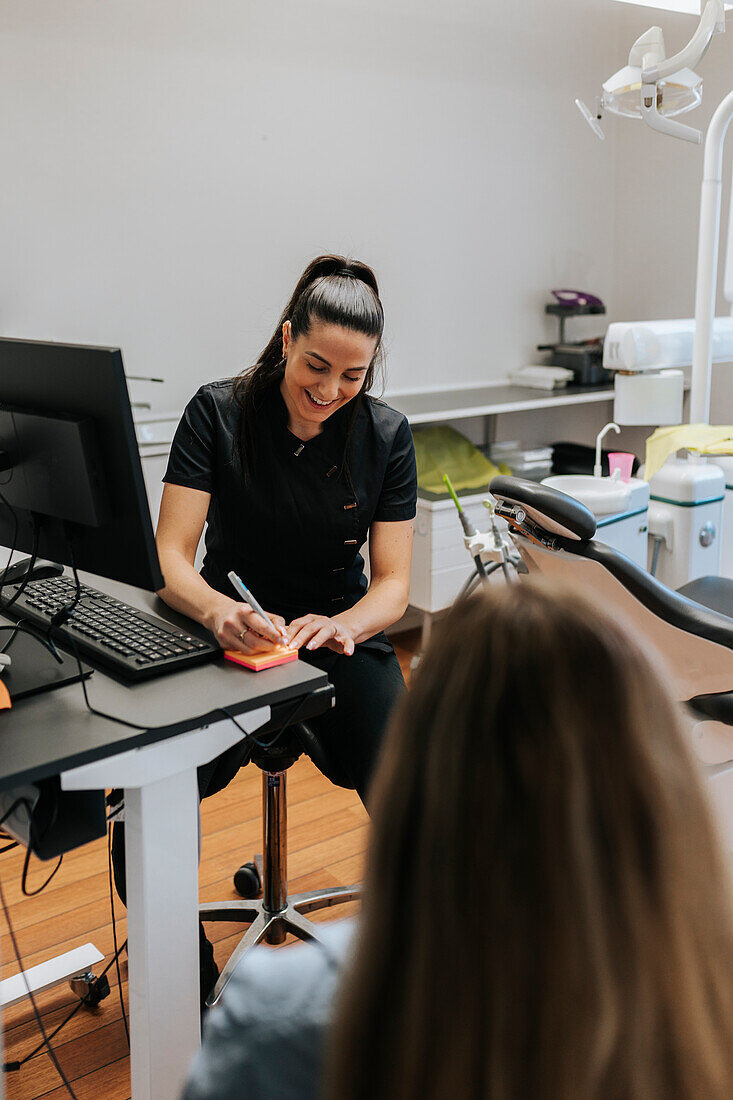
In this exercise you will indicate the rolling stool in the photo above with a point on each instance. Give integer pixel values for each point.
(271, 917)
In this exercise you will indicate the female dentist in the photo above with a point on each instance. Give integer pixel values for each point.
(292, 466)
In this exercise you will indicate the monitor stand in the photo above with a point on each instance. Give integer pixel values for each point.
(34, 670)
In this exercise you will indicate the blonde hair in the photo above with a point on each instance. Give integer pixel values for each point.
(547, 912)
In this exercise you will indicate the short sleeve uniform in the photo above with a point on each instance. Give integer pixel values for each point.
(294, 532)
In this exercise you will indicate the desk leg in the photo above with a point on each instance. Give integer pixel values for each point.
(162, 852)
(161, 839)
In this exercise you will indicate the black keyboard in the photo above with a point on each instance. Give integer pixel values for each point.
(109, 633)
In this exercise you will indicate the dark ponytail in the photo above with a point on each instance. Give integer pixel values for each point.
(334, 291)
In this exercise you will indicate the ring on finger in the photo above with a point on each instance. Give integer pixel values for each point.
(242, 633)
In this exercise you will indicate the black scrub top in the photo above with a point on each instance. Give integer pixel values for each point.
(293, 533)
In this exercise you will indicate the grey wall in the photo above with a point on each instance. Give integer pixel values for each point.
(169, 167)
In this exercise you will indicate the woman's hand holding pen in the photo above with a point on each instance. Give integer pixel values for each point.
(314, 631)
(238, 626)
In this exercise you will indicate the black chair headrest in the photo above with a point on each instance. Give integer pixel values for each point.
(553, 511)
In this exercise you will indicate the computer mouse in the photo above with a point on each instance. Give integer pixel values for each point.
(41, 570)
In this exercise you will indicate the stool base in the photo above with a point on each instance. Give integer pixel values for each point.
(268, 927)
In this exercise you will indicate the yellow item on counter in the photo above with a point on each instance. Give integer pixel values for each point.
(442, 450)
(704, 439)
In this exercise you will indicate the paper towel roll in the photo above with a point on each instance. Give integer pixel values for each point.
(648, 398)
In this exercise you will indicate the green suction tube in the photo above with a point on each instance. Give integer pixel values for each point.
(468, 528)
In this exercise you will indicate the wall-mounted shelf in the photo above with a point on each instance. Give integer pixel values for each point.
(425, 406)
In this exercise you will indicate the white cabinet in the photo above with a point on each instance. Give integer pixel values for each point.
(440, 562)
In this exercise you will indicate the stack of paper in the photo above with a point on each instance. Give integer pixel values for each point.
(541, 378)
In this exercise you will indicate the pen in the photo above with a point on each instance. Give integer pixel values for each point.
(247, 596)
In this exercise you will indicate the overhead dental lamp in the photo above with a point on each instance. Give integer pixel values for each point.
(646, 358)
(652, 347)
(654, 87)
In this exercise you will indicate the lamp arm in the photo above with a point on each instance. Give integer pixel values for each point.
(707, 261)
(661, 123)
(712, 21)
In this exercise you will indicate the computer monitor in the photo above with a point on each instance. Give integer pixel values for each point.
(69, 462)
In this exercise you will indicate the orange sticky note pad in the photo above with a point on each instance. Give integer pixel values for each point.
(5, 703)
(268, 658)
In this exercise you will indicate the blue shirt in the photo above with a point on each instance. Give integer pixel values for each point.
(266, 1038)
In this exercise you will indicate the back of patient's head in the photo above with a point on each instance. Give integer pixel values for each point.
(547, 913)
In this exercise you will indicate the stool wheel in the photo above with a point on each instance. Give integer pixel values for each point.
(247, 881)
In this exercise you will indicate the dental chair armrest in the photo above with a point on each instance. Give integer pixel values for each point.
(673, 608)
(715, 593)
(717, 707)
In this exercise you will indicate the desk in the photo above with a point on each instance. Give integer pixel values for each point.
(54, 734)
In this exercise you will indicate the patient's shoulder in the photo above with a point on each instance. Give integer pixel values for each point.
(266, 1036)
(291, 982)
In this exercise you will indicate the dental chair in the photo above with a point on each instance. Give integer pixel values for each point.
(553, 534)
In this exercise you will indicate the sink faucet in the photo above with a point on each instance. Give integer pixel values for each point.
(599, 437)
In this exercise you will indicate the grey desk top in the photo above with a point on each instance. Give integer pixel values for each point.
(48, 733)
(428, 406)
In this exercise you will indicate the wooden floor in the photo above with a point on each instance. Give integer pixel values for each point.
(327, 835)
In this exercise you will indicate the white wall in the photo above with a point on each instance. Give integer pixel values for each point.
(170, 167)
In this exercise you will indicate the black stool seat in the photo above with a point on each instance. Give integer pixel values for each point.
(274, 915)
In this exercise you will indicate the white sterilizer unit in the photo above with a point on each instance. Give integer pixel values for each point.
(686, 515)
(726, 548)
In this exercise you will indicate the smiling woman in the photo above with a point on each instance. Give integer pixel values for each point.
(314, 386)
(326, 350)
(293, 466)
